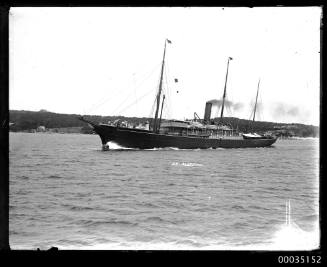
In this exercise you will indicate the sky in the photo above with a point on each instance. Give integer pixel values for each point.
(107, 61)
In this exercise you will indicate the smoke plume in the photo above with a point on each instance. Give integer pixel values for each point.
(283, 111)
(228, 103)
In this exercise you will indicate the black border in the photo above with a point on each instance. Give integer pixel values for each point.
(4, 135)
(217, 257)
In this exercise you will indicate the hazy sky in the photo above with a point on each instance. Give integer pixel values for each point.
(106, 61)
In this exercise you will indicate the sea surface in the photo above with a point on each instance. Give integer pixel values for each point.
(66, 192)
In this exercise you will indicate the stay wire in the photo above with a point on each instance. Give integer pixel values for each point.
(167, 99)
(168, 95)
(152, 114)
(100, 103)
(131, 104)
(124, 101)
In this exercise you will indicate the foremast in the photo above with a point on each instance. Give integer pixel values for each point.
(256, 100)
(156, 123)
(251, 125)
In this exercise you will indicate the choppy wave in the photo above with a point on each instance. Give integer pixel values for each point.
(65, 193)
(117, 222)
(54, 177)
(187, 164)
(77, 208)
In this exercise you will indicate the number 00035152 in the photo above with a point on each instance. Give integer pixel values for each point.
(299, 259)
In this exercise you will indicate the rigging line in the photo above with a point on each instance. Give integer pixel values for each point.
(152, 109)
(228, 109)
(167, 72)
(168, 108)
(168, 85)
(128, 106)
(251, 115)
(168, 98)
(166, 105)
(166, 88)
(122, 103)
(165, 108)
(167, 111)
(169, 94)
(135, 95)
(121, 91)
(260, 107)
(151, 115)
(138, 86)
(155, 68)
(156, 96)
(100, 103)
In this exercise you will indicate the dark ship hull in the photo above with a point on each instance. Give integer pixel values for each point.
(143, 139)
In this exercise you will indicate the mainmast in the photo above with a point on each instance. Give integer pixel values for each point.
(224, 96)
(155, 124)
(256, 100)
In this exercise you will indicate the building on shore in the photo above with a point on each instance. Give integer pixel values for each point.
(41, 129)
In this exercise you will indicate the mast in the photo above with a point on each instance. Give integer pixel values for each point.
(155, 126)
(224, 96)
(163, 100)
(256, 100)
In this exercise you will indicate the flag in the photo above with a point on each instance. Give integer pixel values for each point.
(169, 42)
(176, 80)
(230, 58)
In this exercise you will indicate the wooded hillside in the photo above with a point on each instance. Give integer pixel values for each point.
(29, 120)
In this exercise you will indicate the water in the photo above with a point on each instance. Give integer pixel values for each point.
(66, 192)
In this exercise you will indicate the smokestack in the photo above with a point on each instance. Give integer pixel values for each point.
(207, 112)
